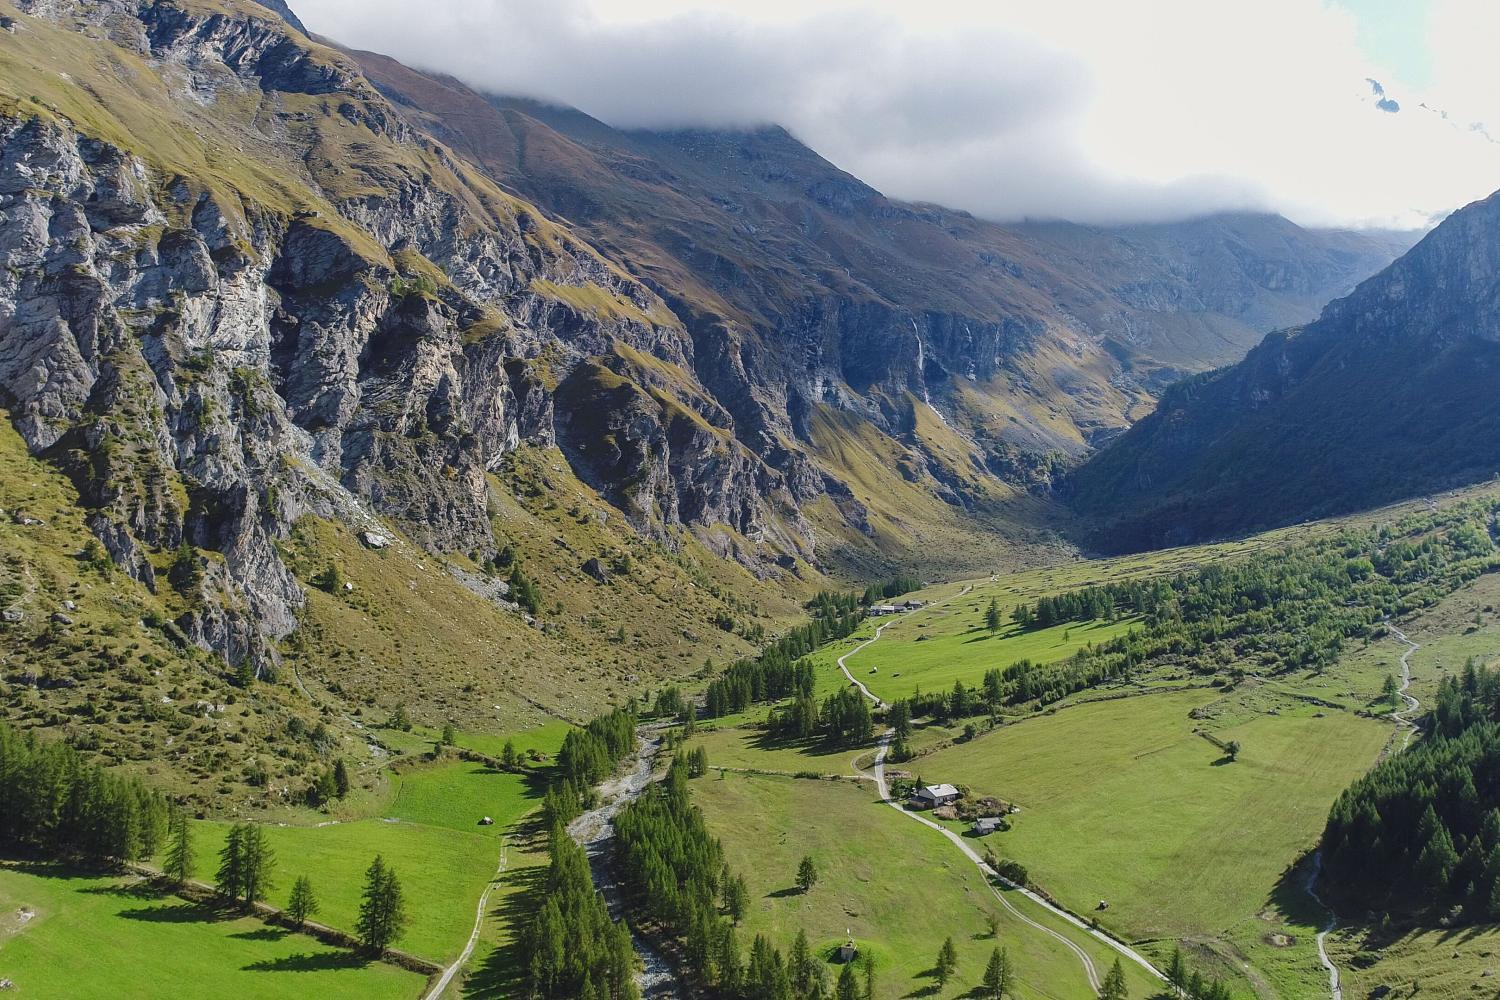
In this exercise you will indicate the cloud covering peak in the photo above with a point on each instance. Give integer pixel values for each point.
(1070, 109)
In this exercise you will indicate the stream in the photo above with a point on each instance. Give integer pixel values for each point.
(595, 830)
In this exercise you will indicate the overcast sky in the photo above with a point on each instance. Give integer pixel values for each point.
(1091, 110)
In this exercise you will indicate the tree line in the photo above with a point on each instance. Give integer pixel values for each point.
(588, 756)
(780, 672)
(676, 870)
(834, 604)
(844, 718)
(1421, 832)
(56, 803)
(1293, 608)
(575, 950)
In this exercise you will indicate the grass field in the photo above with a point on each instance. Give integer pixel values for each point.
(428, 833)
(933, 649)
(1122, 802)
(750, 748)
(899, 888)
(107, 937)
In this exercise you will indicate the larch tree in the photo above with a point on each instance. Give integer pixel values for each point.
(947, 962)
(257, 863)
(382, 911)
(230, 878)
(999, 977)
(181, 861)
(303, 903)
(1114, 984)
(807, 874)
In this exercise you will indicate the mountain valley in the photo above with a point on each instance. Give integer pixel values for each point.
(451, 545)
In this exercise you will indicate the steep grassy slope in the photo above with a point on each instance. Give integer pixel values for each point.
(93, 657)
(1388, 394)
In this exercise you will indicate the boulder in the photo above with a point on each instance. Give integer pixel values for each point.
(595, 569)
(374, 540)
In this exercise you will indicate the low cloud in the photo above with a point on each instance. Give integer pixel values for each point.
(1072, 109)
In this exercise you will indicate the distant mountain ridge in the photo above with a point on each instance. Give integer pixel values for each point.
(1393, 391)
(1028, 339)
(251, 279)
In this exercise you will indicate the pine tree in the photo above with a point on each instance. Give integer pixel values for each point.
(1391, 691)
(736, 898)
(302, 903)
(807, 874)
(802, 963)
(340, 778)
(992, 617)
(867, 968)
(382, 911)
(848, 986)
(999, 978)
(1114, 984)
(1176, 970)
(992, 921)
(257, 861)
(947, 962)
(508, 756)
(230, 878)
(180, 862)
(450, 735)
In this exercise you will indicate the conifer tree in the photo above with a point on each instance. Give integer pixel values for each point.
(807, 874)
(230, 878)
(947, 962)
(1176, 970)
(257, 862)
(848, 985)
(1114, 984)
(180, 862)
(999, 978)
(340, 778)
(992, 617)
(302, 903)
(382, 910)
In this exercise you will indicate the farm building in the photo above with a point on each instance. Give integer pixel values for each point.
(986, 825)
(932, 796)
(881, 610)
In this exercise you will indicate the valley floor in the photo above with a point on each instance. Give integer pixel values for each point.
(1131, 815)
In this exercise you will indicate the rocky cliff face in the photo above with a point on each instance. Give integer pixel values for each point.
(243, 283)
(1388, 394)
(242, 289)
(803, 287)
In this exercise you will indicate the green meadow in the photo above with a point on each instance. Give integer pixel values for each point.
(1122, 801)
(101, 937)
(429, 834)
(931, 650)
(897, 887)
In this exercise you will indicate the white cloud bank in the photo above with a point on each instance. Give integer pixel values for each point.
(1091, 110)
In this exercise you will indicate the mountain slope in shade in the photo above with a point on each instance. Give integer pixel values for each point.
(1391, 392)
(803, 287)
